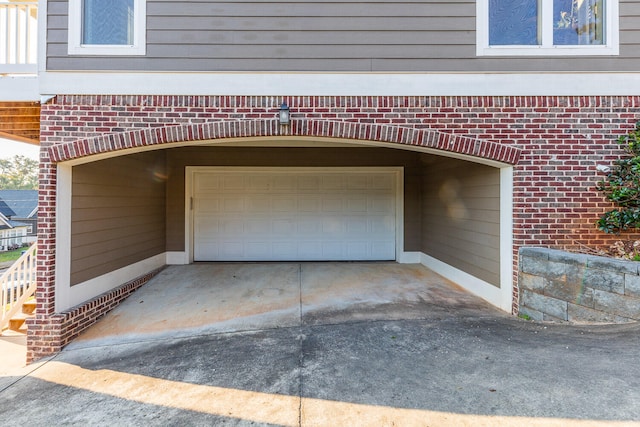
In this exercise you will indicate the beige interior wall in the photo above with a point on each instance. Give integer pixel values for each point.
(117, 214)
(461, 216)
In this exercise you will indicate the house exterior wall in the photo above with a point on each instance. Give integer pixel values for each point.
(32, 228)
(461, 216)
(117, 214)
(317, 36)
(560, 140)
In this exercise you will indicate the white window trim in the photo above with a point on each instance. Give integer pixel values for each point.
(75, 33)
(612, 46)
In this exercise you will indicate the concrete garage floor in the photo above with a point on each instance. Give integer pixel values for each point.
(233, 297)
(327, 344)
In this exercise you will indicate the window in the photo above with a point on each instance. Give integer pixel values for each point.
(547, 27)
(106, 27)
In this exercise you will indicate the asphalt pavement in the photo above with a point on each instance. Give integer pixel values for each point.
(446, 363)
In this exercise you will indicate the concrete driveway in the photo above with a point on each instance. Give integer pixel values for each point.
(327, 344)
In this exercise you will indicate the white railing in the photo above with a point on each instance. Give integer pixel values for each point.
(18, 37)
(17, 285)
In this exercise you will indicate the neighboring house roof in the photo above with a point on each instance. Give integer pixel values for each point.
(7, 224)
(23, 203)
(4, 221)
(5, 210)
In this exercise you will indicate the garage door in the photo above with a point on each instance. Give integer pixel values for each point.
(294, 214)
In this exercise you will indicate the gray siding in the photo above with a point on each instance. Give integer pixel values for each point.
(179, 158)
(117, 214)
(305, 35)
(461, 216)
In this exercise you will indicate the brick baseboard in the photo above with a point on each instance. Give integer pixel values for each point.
(47, 335)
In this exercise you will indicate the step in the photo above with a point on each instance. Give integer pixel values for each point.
(17, 322)
(10, 333)
(29, 307)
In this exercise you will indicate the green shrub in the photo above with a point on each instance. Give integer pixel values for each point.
(622, 187)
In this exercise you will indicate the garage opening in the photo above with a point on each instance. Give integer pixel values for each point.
(332, 202)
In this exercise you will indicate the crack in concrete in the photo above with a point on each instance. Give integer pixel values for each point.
(301, 350)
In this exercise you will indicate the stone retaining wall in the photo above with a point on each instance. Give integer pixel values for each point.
(563, 286)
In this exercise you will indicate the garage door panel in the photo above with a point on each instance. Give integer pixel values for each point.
(357, 226)
(208, 205)
(258, 250)
(210, 185)
(233, 183)
(258, 183)
(357, 205)
(333, 205)
(283, 204)
(282, 227)
(308, 183)
(282, 183)
(310, 249)
(233, 204)
(259, 204)
(299, 215)
(231, 227)
(357, 182)
(381, 226)
(380, 204)
(357, 249)
(208, 228)
(255, 226)
(333, 228)
(308, 204)
(231, 249)
(333, 250)
(332, 183)
(288, 250)
(308, 227)
(379, 249)
(382, 183)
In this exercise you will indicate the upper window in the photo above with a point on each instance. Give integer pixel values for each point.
(107, 27)
(547, 27)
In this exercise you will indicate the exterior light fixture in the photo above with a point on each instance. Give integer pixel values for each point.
(285, 116)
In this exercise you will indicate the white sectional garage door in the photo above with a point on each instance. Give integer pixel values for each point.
(296, 214)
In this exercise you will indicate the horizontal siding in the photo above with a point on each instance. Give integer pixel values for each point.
(117, 214)
(310, 35)
(461, 217)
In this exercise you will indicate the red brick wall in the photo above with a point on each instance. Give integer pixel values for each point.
(560, 142)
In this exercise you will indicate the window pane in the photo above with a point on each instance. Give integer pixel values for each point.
(107, 22)
(513, 22)
(578, 22)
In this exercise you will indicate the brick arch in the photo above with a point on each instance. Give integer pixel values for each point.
(427, 138)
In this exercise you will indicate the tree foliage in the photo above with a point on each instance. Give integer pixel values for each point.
(622, 187)
(18, 173)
